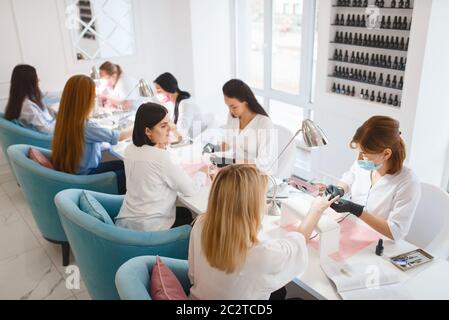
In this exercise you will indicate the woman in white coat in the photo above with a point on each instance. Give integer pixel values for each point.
(250, 136)
(188, 120)
(154, 177)
(383, 192)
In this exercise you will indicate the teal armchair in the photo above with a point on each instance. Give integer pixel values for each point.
(133, 277)
(12, 133)
(40, 185)
(100, 248)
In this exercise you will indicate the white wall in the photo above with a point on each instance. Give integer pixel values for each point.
(212, 53)
(34, 32)
(340, 116)
(430, 146)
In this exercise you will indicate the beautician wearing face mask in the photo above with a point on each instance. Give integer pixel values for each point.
(384, 193)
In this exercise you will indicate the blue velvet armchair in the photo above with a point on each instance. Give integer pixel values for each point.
(133, 277)
(12, 133)
(40, 185)
(100, 248)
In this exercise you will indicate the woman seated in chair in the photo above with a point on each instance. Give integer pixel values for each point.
(229, 255)
(153, 177)
(25, 104)
(77, 140)
(384, 193)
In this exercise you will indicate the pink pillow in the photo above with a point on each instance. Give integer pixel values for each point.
(37, 156)
(164, 284)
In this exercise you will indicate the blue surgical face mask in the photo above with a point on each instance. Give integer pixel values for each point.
(368, 165)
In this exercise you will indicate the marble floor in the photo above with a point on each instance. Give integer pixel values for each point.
(30, 266)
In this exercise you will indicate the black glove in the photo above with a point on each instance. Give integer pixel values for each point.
(335, 191)
(347, 206)
(211, 148)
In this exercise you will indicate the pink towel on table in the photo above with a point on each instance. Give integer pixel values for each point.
(354, 237)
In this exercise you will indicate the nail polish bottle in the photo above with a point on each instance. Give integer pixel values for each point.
(381, 80)
(357, 58)
(388, 81)
(358, 21)
(389, 62)
(405, 24)
(394, 82)
(364, 78)
(384, 98)
(387, 42)
(335, 74)
(370, 41)
(337, 37)
(334, 87)
(382, 42)
(373, 97)
(401, 64)
(365, 3)
(343, 90)
(370, 77)
(346, 58)
(337, 20)
(401, 4)
(351, 74)
(363, 21)
(353, 21)
(366, 58)
(372, 61)
(338, 89)
(401, 83)
(352, 57)
(339, 3)
(350, 38)
(353, 92)
(374, 79)
(365, 40)
(348, 91)
(356, 39)
(340, 55)
(407, 4)
(396, 101)
(362, 95)
(395, 63)
(377, 60)
(399, 24)
(379, 97)
(393, 3)
(390, 99)
(382, 23)
(366, 96)
(348, 20)
(396, 43)
(406, 46)
(388, 24)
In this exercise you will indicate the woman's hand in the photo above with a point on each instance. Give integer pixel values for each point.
(321, 203)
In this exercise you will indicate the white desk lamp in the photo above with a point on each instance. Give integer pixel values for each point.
(313, 137)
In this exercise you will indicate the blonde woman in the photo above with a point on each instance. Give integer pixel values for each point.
(227, 258)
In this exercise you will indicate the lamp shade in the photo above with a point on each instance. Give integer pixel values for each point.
(313, 135)
(94, 75)
(144, 89)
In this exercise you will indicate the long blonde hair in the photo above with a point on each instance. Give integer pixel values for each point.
(77, 101)
(234, 216)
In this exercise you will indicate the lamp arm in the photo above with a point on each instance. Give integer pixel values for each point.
(285, 148)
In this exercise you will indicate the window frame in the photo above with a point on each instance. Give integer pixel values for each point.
(303, 99)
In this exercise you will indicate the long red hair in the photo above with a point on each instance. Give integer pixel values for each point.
(77, 101)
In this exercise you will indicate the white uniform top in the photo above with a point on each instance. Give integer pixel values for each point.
(153, 179)
(34, 117)
(191, 122)
(257, 142)
(269, 265)
(393, 197)
(125, 89)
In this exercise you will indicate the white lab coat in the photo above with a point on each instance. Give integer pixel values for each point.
(393, 197)
(257, 142)
(269, 265)
(34, 117)
(191, 121)
(153, 180)
(125, 89)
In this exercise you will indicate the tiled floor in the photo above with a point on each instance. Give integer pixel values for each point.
(30, 266)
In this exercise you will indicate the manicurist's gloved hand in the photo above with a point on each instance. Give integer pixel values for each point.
(334, 191)
(347, 206)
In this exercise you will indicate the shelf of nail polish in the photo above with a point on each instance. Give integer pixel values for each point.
(375, 61)
(365, 94)
(394, 4)
(399, 23)
(371, 41)
(365, 82)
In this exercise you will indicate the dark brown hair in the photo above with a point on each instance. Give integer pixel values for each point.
(379, 133)
(24, 84)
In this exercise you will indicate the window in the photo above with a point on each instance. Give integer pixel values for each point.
(276, 55)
